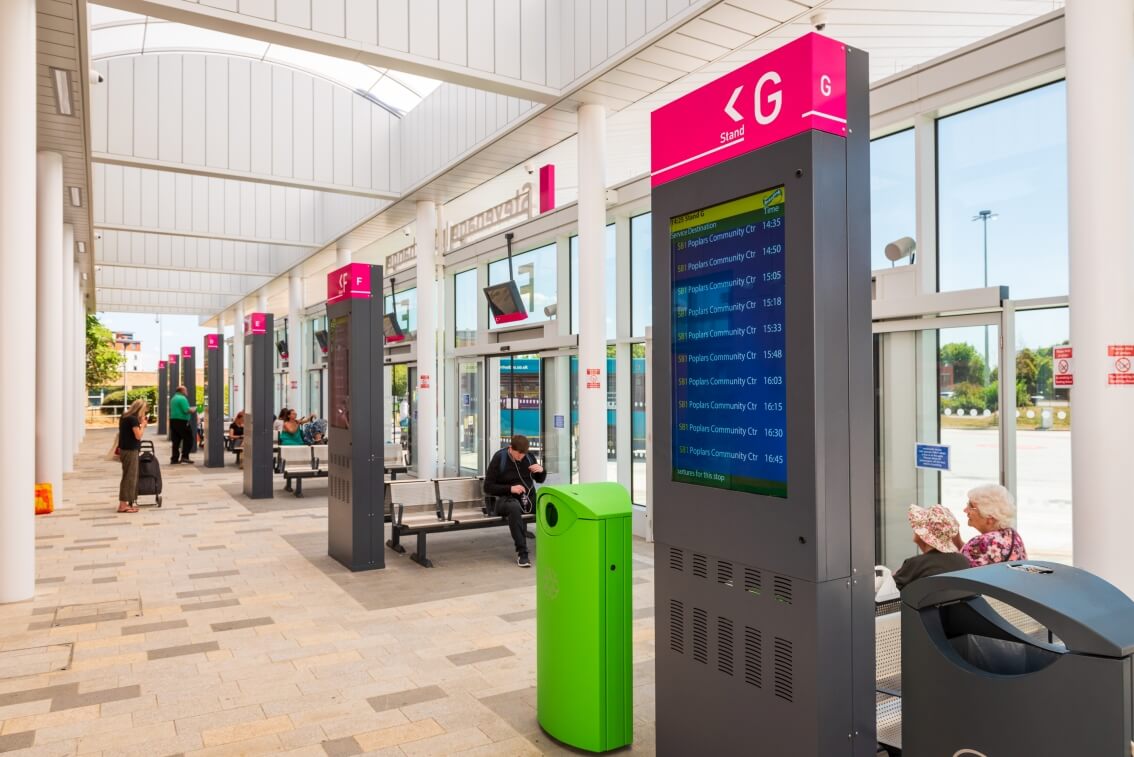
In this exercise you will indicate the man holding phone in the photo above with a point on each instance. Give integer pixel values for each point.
(511, 477)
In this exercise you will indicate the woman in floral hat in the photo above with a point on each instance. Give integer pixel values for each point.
(934, 529)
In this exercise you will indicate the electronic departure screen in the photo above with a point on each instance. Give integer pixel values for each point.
(729, 361)
(340, 371)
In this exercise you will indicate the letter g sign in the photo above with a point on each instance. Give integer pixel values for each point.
(825, 85)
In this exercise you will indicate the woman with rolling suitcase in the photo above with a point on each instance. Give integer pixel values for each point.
(131, 427)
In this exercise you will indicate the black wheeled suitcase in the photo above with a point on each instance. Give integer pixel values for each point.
(149, 473)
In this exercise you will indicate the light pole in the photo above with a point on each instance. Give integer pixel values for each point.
(984, 216)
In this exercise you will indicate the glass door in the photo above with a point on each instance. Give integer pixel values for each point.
(934, 386)
(410, 420)
(513, 400)
(315, 392)
(470, 393)
(558, 430)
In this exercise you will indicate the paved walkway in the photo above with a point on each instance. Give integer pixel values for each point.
(215, 625)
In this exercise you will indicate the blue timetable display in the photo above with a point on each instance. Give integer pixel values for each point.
(729, 361)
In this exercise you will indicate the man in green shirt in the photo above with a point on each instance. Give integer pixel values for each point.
(181, 435)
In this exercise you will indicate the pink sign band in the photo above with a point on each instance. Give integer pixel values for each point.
(212, 341)
(161, 365)
(186, 352)
(172, 359)
(796, 88)
(352, 281)
(256, 323)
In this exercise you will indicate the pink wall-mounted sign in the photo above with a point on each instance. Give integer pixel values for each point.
(256, 323)
(161, 365)
(186, 352)
(212, 341)
(798, 87)
(547, 188)
(172, 360)
(349, 282)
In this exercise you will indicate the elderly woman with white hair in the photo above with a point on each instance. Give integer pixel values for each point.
(992, 511)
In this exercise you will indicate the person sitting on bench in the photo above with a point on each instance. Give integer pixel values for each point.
(315, 432)
(291, 434)
(236, 430)
(933, 532)
(511, 477)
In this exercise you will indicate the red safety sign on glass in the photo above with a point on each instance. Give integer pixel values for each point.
(1064, 366)
(1122, 368)
(593, 378)
(423, 383)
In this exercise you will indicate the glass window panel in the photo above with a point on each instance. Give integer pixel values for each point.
(116, 40)
(406, 309)
(464, 308)
(987, 162)
(534, 273)
(170, 36)
(641, 274)
(349, 73)
(1043, 437)
(611, 288)
(638, 412)
(394, 94)
(893, 209)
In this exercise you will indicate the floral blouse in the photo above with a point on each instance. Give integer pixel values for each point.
(994, 547)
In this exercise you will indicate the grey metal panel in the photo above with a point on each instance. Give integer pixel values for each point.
(281, 122)
(303, 128)
(258, 412)
(452, 32)
(145, 102)
(506, 33)
(214, 409)
(393, 24)
(581, 29)
(818, 542)
(173, 375)
(169, 108)
(150, 199)
(216, 109)
(327, 17)
(119, 88)
(615, 27)
(423, 28)
(362, 20)
(342, 110)
(163, 399)
(188, 366)
(481, 42)
(294, 13)
(98, 109)
(598, 35)
(193, 118)
(260, 118)
(131, 197)
(362, 138)
(239, 114)
(355, 500)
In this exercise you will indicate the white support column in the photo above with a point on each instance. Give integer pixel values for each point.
(17, 294)
(592, 303)
(49, 321)
(79, 350)
(67, 372)
(1100, 191)
(236, 403)
(295, 397)
(425, 435)
(342, 256)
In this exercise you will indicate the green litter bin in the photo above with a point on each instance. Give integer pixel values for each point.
(584, 680)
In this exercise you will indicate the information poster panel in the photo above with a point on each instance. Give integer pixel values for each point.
(729, 366)
(339, 328)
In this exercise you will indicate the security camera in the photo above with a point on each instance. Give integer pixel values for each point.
(901, 248)
(405, 232)
(529, 168)
(98, 235)
(96, 77)
(551, 310)
(819, 21)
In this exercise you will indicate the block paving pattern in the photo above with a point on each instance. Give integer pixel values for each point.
(218, 626)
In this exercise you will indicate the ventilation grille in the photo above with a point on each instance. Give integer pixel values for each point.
(700, 636)
(724, 645)
(781, 589)
(724, 572)
(783, 668)
(676, 559)
(700, 566)
(753, 651)
(752, 583)
(677, 626)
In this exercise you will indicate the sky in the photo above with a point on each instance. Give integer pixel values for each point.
(176, 331)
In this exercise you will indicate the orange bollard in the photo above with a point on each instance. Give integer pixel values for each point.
(44, 501)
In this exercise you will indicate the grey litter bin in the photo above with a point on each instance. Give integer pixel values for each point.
(974, 684)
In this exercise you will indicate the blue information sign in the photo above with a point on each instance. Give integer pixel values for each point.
(729, 362)
(558, 421)
(932, 456)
